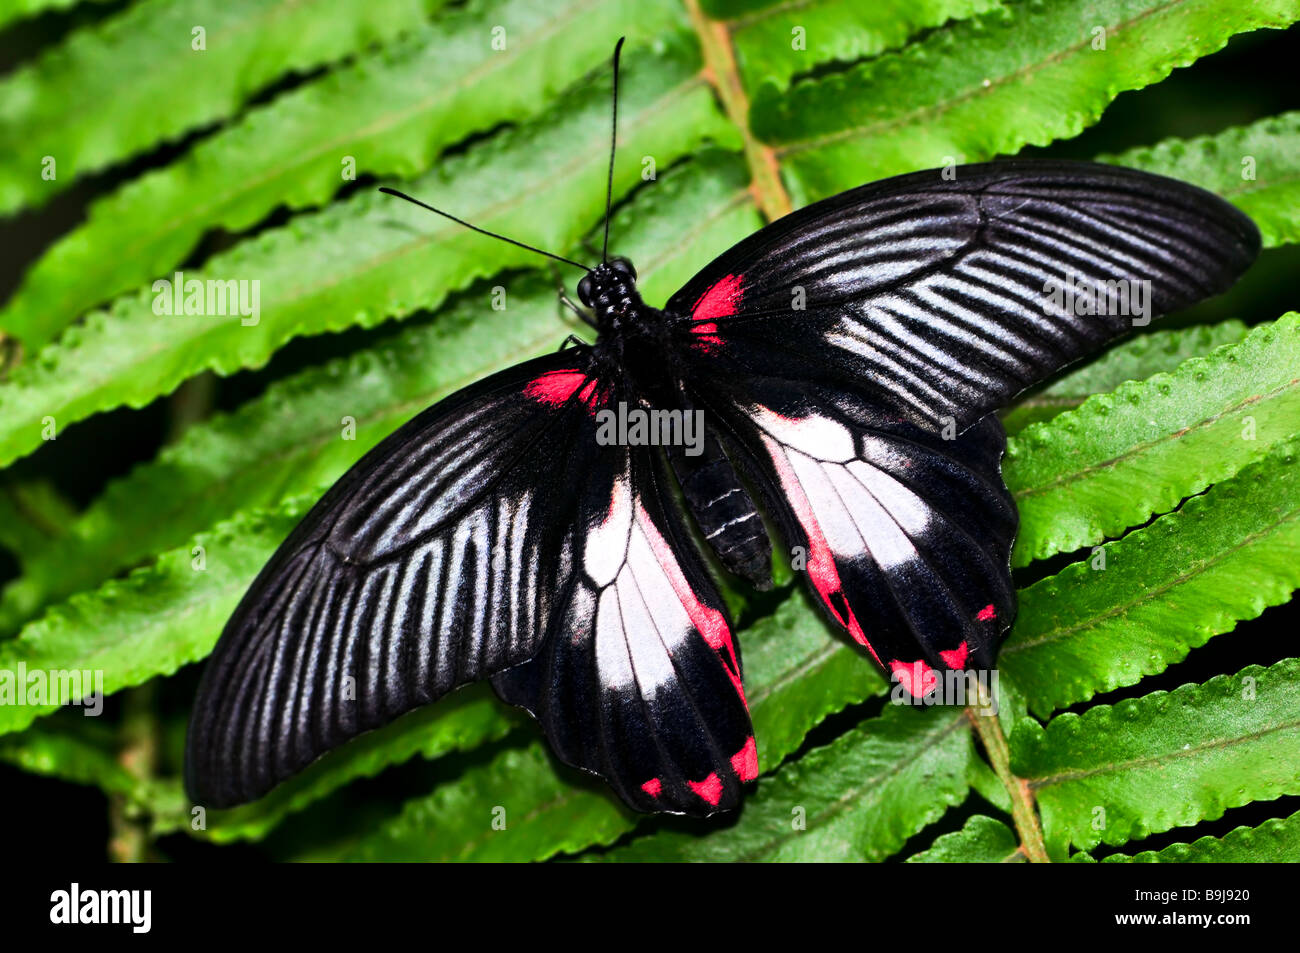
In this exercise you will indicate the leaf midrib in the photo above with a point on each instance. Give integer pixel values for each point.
(1151, 760)
(936, 109)
(1143, 446)
(1198, 568)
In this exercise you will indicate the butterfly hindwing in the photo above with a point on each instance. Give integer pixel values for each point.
(639, 681)
(944, 297)
(902, 535)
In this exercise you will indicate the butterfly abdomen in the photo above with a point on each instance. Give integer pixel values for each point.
(724, 512)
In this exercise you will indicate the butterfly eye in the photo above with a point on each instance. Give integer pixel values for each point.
(623, 265)
(584, 290)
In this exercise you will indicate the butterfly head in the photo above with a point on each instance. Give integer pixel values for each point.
(609, 290)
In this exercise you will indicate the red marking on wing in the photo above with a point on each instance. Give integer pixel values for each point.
(745, 761)
(988, 613)
(719, 301)
(821, 562)
(918, 678)
(709, 622)
(556, 387)
(955, 658)
(710, 788)
(653, 787)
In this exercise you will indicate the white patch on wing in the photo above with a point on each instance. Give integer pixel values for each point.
(650, 639)
(605, 550)
(657, 588)
(818, 437)
(859, 509)
(640, 619)
(907, 509)
(612, 660)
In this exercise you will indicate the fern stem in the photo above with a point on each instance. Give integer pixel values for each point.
(129, 840)
(720, 70)
(1024, 812)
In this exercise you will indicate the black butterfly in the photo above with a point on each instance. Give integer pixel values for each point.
(847, 360)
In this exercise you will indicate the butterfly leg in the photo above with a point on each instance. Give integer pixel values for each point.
(566, 302)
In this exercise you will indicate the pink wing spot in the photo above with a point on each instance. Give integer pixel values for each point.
(918, 678)
(709, 622)
(745, 761)
(955, 658)
(710, 788)
(556, 387)
(707, 342)
(988, 613)
(821, 562)
(653, 787)
(719, 301)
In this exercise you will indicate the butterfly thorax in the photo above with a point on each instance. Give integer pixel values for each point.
(632, 338)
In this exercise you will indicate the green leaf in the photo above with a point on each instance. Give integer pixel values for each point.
(1275, 841)
(858, 798)
(1256, 167)
(289, 440)
(982, 840)
(371, 257)
(138, 82)
(768, 45)
(32, 513)
(543, 811)
(1021, 75)
(1093, 472)
(389, 113)
(1133, 360)
(79, 755)
(1172, 759)
(17, 9)
(797, 673)
(1223, 557)
(153, 621)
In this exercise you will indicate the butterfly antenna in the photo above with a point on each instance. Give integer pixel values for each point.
(482, 231)
(613, 141)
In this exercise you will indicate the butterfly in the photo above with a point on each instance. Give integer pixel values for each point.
(838, 370)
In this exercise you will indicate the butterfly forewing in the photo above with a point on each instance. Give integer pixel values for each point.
(431, 563)
(944, 297)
